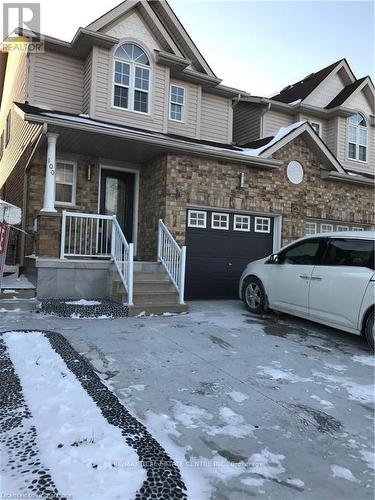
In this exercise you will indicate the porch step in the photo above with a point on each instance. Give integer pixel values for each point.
(136, 310)
(158, 298)
(17, 293)
(151, 275)
(148, 267)
(18, 305)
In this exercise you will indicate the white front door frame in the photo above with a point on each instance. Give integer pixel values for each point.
(133, 169)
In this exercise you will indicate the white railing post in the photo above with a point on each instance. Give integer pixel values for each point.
(113, 237)
(130, 274)
(63, 232)
(159, 240)
(182, 275)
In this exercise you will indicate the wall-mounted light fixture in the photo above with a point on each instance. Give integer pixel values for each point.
(242, 180)
(88, 171)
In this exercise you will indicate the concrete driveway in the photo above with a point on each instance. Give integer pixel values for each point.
(272, 407)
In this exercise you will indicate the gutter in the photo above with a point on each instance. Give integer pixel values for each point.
(337, 176)
(195, 149)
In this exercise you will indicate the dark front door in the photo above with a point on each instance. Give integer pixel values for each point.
(219, 246)
(117, 198)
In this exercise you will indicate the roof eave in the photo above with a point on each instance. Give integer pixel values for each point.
(337, 176)
(177, 145)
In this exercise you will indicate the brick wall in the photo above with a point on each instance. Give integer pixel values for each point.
(217, 184)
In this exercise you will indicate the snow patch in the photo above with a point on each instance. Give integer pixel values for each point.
(369, 458)
(238, 397)
(87, 456)
(343, 473)
(279, 374)
(83, 302)
(323, 402)
(281, 133)
(356, 392)
(364, 360)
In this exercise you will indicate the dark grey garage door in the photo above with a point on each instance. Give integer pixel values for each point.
(219, 245)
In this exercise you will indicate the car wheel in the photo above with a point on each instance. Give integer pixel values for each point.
(370, 330)
(254, 296)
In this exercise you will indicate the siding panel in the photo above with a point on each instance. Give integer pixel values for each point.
(57, 82)
(246, 123)
(273, 121)
(215, 118)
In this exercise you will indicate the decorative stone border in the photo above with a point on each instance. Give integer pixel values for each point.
(106, 308)
(164, 481)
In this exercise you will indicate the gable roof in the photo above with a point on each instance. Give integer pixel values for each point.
(303, 88)
(265, 147)
(345, 93)
(165, 21)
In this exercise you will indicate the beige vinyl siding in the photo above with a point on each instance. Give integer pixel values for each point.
(216, 118)
(188, 126)
(358, 102)
(324, 94)
(22, 133)
(343, 149)
(330, 137)
(103, 109)
(87, 79)
(273, 121)
(246, 123)
(56, 81)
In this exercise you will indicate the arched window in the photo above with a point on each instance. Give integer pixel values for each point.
(357, 138)
(131, 78)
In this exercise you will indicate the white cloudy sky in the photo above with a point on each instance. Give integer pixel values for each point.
(258, 46)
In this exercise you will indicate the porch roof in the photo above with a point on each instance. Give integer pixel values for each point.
(83, 135)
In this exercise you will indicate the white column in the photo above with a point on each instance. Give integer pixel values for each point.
(49, 186)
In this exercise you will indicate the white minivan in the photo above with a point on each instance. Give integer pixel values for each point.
(328, 278)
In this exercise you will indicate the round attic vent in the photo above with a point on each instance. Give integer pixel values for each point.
(295, 172)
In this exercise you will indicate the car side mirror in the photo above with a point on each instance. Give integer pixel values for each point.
(274, 259)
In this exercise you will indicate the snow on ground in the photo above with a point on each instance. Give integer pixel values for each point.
(365, 360)
(277, 373)
(368, 457)
(343, 473)
(238, 397)
(356, 392)
(87, 456)
(83, 302)
(323, 402)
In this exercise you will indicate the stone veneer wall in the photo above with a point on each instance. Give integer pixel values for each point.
(47, 239)
(215, 183)
(152, 206)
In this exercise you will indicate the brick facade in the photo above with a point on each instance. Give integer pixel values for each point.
(197, 181)
(170, 183)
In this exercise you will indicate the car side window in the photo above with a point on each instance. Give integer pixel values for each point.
(350, 252)
(304, 253)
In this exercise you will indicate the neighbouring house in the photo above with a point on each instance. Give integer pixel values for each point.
(119, 148)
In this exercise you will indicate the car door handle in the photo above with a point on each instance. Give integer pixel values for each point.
(316, 278)
(304, 276)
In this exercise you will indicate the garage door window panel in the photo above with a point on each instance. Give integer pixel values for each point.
(311, 228)
(197, 218)
(220, 221)
(262, 225)
(241, 223)
(350, 252)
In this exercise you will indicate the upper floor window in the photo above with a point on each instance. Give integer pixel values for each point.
(131, 78)
(177, 102)
(357, 138)
(317, 127)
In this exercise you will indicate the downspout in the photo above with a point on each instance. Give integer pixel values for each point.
(24, 194)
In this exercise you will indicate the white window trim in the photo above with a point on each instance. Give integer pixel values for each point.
(197, 225)
(357, 144)
(242, 217)
(172, 102)
(262, 230)
(315, 122)
(327, 230)
(223, 215)
(131, 86)
(312, 224)
(340, 227)
(74, 185)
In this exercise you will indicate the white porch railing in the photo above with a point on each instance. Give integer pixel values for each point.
(173, 259)
(93, 236)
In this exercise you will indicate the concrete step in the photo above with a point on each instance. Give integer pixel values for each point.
(17, 293)
(157, 309)
(150, 275)
(18, 305)
(148, 267)
(153, 286)
(160, 298)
